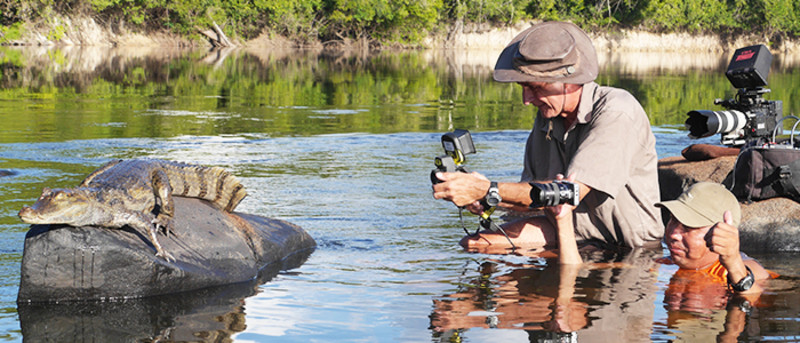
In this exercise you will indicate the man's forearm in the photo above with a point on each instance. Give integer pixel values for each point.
(517, 195)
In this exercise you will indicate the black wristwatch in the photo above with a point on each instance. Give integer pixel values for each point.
(493, 196)
(745, 283)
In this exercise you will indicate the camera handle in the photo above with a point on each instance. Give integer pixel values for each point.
(447, 164)
(780, 127)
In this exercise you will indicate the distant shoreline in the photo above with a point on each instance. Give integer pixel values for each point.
(87, 32)
(628, 40)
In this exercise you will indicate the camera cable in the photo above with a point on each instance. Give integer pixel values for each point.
(485, 223)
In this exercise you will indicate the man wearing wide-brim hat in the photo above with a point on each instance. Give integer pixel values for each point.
(599, 135)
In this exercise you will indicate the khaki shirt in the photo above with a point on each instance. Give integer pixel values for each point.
(612, 150)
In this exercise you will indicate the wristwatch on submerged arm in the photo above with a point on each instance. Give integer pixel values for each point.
(745, 283)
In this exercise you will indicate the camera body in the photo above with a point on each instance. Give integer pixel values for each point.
(749, 115)
(456, 144)
(459, 143)
(554, 193)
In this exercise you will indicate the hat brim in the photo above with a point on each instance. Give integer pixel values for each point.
(686, 215)
(587, 72)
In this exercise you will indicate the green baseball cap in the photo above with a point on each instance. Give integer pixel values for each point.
(703, 204)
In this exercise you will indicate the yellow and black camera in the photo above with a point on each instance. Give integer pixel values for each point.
(456, 144)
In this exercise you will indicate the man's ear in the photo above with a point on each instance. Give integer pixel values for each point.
(571, 87)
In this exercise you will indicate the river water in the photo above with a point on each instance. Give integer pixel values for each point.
(342, 145)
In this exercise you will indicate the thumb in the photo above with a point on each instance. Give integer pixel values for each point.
(727, 217)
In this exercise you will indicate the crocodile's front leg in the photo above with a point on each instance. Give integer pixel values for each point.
(153, 230)
(144, 221)
(162, 190)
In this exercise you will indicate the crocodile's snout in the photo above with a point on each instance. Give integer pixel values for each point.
(25, 213)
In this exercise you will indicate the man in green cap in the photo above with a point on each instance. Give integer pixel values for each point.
(702, 235)
(601, 134)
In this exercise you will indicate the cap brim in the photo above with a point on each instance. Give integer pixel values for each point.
(504, 68)
(686, 215)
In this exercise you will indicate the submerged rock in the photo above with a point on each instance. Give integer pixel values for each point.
(767, 225)
(213, 314)
(211, 247)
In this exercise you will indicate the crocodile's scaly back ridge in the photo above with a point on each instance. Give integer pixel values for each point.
(136, 177)
(214, 184)
(98, 171)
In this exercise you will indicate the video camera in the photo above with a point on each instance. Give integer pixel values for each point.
(456, 144)
(748, 115)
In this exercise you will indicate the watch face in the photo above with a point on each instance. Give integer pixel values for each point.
(492, 201)
(745, 283)
(493, 196)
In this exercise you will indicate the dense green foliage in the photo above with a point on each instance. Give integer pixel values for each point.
(408, 21)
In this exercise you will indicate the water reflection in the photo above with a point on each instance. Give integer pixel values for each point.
(627, 298)
(612, 299)
(88, 59)
(101, 93)
(208, 315)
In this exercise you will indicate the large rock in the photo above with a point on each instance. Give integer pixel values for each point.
(210, 247)
(675, 174)
(767, 225)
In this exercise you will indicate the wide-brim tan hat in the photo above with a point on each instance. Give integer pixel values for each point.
(548, 52)
(703, 204)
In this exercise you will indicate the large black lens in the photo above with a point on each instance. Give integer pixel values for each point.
(551, 194)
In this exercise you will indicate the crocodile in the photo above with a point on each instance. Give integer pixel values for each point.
(135, 193)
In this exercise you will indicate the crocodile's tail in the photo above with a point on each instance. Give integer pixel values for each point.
(214, 184)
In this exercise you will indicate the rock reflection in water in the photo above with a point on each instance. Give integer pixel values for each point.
(612, 297)
(208, 315)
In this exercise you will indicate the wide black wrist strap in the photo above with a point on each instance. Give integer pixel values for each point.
(745, 283)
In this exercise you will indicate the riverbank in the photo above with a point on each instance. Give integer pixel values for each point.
(625, 40)
(86, 31)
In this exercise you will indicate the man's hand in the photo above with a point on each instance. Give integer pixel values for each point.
(723, 239)
(461, 188)
(562, 217)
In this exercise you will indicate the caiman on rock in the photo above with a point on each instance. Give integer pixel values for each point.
(137, 193)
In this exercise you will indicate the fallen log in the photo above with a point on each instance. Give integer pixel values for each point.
(216, 36)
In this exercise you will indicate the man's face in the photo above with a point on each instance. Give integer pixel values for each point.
(550, 98)
(688, 246)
